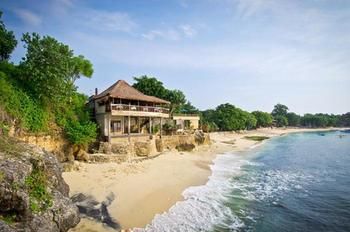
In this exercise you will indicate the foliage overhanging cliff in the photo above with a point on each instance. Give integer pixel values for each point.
(39, 93)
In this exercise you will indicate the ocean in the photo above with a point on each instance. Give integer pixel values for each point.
(296, 182)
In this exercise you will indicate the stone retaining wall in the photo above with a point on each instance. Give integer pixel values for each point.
(146, 146)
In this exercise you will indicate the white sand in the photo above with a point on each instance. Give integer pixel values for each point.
(153, 186)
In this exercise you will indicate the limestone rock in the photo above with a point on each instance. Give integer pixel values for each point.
(201, 138)
(15, 198)
(159, 145)
(142, 148)
(82, 155)
(185, 147)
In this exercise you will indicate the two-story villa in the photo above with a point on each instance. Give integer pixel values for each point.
(123, 111)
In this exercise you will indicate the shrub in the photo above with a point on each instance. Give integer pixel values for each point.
(21, 106)
(81, 133)
(39, 197)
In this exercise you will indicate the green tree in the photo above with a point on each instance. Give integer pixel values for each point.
(8, 41)
(188, 108)
(177, 99)
(228, 117)
(250, 120)
(150, 86)
(280, 110)
(281, 121)
(293, 119)
(207, 120)
(50, 68)
(154, 87)
(264, 119)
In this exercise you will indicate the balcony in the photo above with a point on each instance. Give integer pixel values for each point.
(136, 110)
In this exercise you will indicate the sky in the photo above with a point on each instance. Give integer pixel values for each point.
(250, 53)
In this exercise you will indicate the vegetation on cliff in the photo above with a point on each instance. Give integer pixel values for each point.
(33, 194)
(39, 93)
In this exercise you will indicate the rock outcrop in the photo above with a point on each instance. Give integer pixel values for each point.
(33, 194)
(201, 138)
(142, 148)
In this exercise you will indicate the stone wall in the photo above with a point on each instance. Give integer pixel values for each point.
(146, 146)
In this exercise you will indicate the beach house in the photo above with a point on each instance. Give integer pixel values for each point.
(123, 111)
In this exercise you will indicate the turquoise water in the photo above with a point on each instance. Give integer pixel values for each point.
(298, 182)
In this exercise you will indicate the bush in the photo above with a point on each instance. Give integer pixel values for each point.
(81, 133)
(39, 198)
(21, 106)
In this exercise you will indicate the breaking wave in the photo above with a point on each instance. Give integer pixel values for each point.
(203, 206)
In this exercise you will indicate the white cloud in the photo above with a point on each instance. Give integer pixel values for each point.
(188, 30)
(61, 7)
(28, 17)
(168, 34)
(106, 20)
(171, 34)
(248, 8)
(275, 63)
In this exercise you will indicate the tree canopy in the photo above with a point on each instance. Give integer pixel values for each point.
(264, 119)
(227, 117)
(152, 86)
(50, 68)
(40, 93)
(8, 41)
(279, 113)
(280, 109)
(293, 119)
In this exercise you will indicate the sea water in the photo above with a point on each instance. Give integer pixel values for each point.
(297, 182)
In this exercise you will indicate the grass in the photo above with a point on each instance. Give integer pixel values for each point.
(10, 146)
(40, 199)
(256, 138)
(9, 218)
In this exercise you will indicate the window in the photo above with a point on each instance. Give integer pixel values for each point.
(116, 126)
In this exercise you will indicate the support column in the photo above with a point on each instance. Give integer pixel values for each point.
(109, 127)
(129, 127)
(150, 125)
(161, 127)
(138, 124)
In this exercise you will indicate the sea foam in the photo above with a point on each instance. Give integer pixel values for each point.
(203, 206)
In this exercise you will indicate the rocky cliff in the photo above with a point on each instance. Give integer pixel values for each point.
(33, 194)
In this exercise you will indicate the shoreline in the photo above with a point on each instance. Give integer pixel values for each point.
(151, 187)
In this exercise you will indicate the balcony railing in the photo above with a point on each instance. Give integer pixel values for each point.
(153, 109)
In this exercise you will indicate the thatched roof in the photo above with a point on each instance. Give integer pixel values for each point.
(121, 89)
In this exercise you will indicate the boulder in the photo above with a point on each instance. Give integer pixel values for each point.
(159, 145)
(201, 138)
(82, 155)
(185, 147)
(21, 172)
(142, 148)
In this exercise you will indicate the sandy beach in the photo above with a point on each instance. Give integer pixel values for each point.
(150, 187)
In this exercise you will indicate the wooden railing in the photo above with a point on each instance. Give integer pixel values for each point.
(125, 107)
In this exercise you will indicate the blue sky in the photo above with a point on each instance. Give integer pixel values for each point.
(251, 53)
